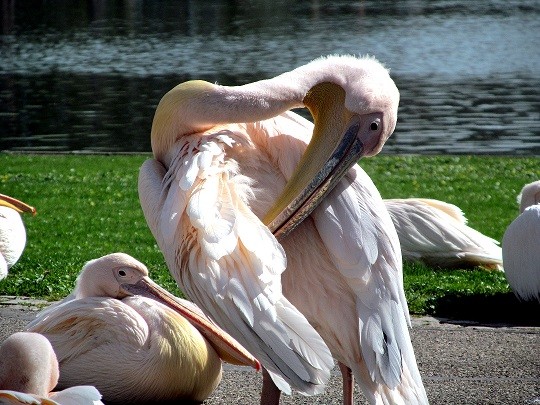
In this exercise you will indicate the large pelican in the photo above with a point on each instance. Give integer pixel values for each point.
(29, 372)
(132, 348)
(437, 234)
(521, 245)
(12, 231)
(222, 156)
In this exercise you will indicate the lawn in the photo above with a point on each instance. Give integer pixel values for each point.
(87, 206)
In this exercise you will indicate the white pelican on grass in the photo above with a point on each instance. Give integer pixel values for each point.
(437, 234)
(521, 246)
(133, 348)
(29, 372)
(12, 231)
(222, 156)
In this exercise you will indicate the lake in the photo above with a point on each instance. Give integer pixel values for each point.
(87, 75)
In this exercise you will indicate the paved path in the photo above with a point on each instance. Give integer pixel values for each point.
(459, 364)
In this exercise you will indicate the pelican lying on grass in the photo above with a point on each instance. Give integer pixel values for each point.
(12, 231)
(437, 234)
(521, 246)
(29, 372)
(222, 156)
(133, 348)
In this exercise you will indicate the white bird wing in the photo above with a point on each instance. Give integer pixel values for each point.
(3, 267)
(227, 261)
(12, 236)
(521, 254)
(76, 326)
(436, 232)
(79, 395)
(360, 237)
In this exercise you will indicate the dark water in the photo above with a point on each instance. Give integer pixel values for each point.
(88, 75)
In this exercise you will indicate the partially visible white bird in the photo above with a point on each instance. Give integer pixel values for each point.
(12, 231)
(521, 245)
(135, 349)
(436, 233)
(29, 372)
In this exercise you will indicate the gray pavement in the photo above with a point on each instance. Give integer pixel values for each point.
(460, 363)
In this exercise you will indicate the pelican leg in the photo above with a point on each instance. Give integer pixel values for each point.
(348, 384)
(270, 393)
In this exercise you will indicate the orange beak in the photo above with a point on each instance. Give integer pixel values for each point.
(15, 204)
(224, 344)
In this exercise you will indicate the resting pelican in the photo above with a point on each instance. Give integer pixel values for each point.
(521, 245)
(222, 156)
(29, 372)
(12, 231)
(133, 348)
(437, 234)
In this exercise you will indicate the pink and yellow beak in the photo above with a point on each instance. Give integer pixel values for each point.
(224, 344)
(340, 138)
(17, 205)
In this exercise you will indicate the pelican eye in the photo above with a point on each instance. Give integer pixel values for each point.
(122, 273)
(374, 126)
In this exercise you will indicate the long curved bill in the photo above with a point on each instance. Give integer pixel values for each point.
(15, 204)
(296, 208)
(225, 345)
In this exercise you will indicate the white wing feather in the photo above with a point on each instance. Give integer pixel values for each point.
(69, 326)
(436, 233)
(521, 254)
(358, 233)
(120, 346)
(360, 237)
(228, 262)
(80, 395)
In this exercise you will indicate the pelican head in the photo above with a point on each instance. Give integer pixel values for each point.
(104, 277)
(354, 94)
(28, 364)
(354, 107)
(118, 275)
(530, 195)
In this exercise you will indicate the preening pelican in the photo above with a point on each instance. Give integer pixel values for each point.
(29, 372)
(12, 231)
(521, 246)
(133, 348)
(437, 234)
(222, 156)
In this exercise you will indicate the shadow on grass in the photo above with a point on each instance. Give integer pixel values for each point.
(502, 309)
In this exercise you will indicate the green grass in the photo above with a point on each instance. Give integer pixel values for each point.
(88, 206)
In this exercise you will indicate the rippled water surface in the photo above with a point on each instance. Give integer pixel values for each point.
(88, 75)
